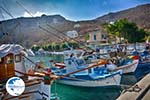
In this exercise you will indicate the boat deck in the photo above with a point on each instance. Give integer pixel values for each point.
(32, 82)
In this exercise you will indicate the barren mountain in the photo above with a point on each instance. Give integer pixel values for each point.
(47, 29)
(37, 30)
(139, 15)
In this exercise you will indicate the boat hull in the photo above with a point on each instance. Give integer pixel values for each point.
(113, 80)
(143, 64)
(130, 68)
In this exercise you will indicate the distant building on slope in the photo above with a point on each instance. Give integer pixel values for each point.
(97, 37)
(72, 34)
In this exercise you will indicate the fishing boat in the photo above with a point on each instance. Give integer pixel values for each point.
(78, 73)
(128, 64)
(119, 61)
(144, 61)
(144, 57)
(144, 64)
(12, 63)
(128, 67)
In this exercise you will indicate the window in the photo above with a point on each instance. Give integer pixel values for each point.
(9, 60)
(17, 58)
(103, 36)
(94, 37)
(80, 62)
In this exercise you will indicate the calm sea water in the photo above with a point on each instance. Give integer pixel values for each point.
(65, 92)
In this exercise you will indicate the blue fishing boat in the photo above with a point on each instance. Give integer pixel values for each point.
(85, 75)
(144, 58)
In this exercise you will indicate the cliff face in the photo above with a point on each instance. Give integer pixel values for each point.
(29, 31)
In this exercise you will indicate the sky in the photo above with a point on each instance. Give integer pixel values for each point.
(75, 10)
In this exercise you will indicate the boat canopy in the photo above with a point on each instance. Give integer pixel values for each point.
(6, 49)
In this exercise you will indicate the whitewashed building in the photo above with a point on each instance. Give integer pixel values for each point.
(72, 34)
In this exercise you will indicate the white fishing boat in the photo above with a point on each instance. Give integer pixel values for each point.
(128, 67)
(12, 64)
(78, 73)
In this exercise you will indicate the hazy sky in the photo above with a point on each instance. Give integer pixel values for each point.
(70, 9)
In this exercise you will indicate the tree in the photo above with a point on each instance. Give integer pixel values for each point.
(49, 47)
(35, 48)
(87, 37)
(53, 45)
(127, 30)
(45, 47)
(110, 28)
(64, 46)
(73, 44)
(57, 47)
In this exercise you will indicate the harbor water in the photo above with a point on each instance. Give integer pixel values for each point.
(65, 92)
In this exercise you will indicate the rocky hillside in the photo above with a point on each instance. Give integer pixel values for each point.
(139, 15)
(46, 29)
(38, 30)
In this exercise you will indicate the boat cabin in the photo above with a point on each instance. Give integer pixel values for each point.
(10, 60)
(7, 66)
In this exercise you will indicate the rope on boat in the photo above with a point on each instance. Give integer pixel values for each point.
(129, 88)
(29, 60)
(33, 62)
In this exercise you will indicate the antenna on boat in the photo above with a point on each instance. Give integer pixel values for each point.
(6, 12)
(24, 8)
